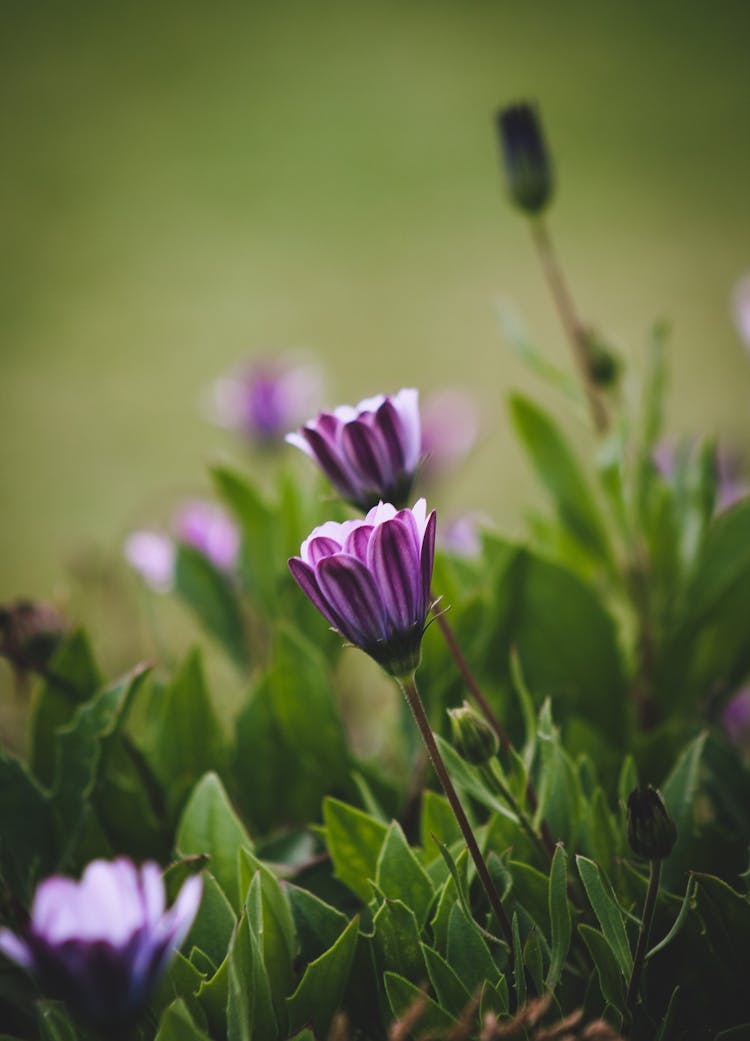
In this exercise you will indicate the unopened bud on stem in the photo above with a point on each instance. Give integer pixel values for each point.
(527, 165)
(474, 738)
(651, 831)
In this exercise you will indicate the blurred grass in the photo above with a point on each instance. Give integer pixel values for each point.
(186, 184)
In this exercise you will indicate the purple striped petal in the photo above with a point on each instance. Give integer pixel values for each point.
(395, 566)
(390, 427)
(406, 403)
(330, 462)
(351, 593)
(305, 577)
(358, 540)
(364, 453)
(427, 557)
(321, 547)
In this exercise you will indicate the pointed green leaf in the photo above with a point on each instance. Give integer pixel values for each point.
(396, 939)
(400, 876)
(437, 818)
(468, 952)
(607, 912)
(27, 848)
(322, 986)
(211, 594)
(559, 916)
(271, 920)
(611, 980)
(451, 993)
(354, 841)
(210, 825)
(404, 996)
(519, 971)
(317, 924)
(214, 923)
(177, 1024)
(679, 793)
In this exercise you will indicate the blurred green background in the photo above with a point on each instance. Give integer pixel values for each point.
(187, 184)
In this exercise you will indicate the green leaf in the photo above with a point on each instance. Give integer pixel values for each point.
(210, 825)
(470, 780)
(291, 746)
(451, 993)
(468, 952)
(212, 596)
(404, 996)
(317, 924)
(185, 739)
(601, 834)
(81, 744)
(400, 876)
(249, 1011)
(396, 939)
(27, 849)
(54, 1022)
(321, 988)
(610, 976)
(518, 338)
(214, 923)
(559, 916)
(519, 971)
(679, 794)
(177, 1024)
(559, 791)
(530, 888)
(74, 678)
(607, 912)
(559, 472)
(437, 819)
(181, 980)
(271, 920)
(354, 841)
(679, 921)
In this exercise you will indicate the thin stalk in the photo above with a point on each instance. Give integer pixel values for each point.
(574, 330)
(408, 686)
(643, 934)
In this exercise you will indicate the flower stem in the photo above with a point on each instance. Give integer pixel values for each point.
(575, 331)
(408, 686)
(643, 934)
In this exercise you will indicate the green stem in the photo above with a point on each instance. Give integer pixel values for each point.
(575, 331)
(646, 920)
(408, 686)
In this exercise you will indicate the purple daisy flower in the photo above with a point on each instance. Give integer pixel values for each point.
(370, 452)
(102, 944)
(371, 579)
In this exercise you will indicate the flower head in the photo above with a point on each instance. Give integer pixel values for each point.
(371, 579)
(651, 831)
(370, 452)
(203, 525)
(473, 737)
(102, 943)
(528, 169)
(30, 633)
(266, 398)
(450, 429)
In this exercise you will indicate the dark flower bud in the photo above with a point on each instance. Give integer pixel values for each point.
(527, 165)
(30, 632)
(651, 831)
(473, 737)
(603, 363)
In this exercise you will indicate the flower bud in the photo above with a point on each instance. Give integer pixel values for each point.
(474, 738)
(603, 363)
(651, 831)
(527, 165)
(30, 632)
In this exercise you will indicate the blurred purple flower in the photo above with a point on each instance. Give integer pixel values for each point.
(203, 525)
(450, 428)
(370, 452)
(101, 944)
(461, 536)
(209, 529)
(736, 719)
(153, 557)
(731, 486)
(741, 308)
(371, 579)
(266, 398)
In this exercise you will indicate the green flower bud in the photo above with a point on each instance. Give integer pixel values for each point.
(474, 738)
(651, 831)
(527, 165)
(603, 363)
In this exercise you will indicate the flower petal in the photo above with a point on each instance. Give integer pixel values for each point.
(358, 540)
(394, 562)
(427, 557)
(406, 403)
(390, 429)
(350, 593)
(365, 455)
(305, 577)
(330, 461)
(16, 949)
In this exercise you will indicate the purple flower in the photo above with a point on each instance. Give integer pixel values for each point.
(202, 525)
(102, 943)
(370, 452)
(371, 579)
(741, 308)
(736, 719)
(267, 398)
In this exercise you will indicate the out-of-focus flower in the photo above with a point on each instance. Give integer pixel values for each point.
(736, 719)
(208, 528)
(371, 579)
(450, 428)
(266, 398)
(203, 525)
(102, 943)
(30, 632)
(741, 308)
(461, 536)
(731, 486)
(370, 452)
(527, 165)
(651, 831)
(473, 737)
